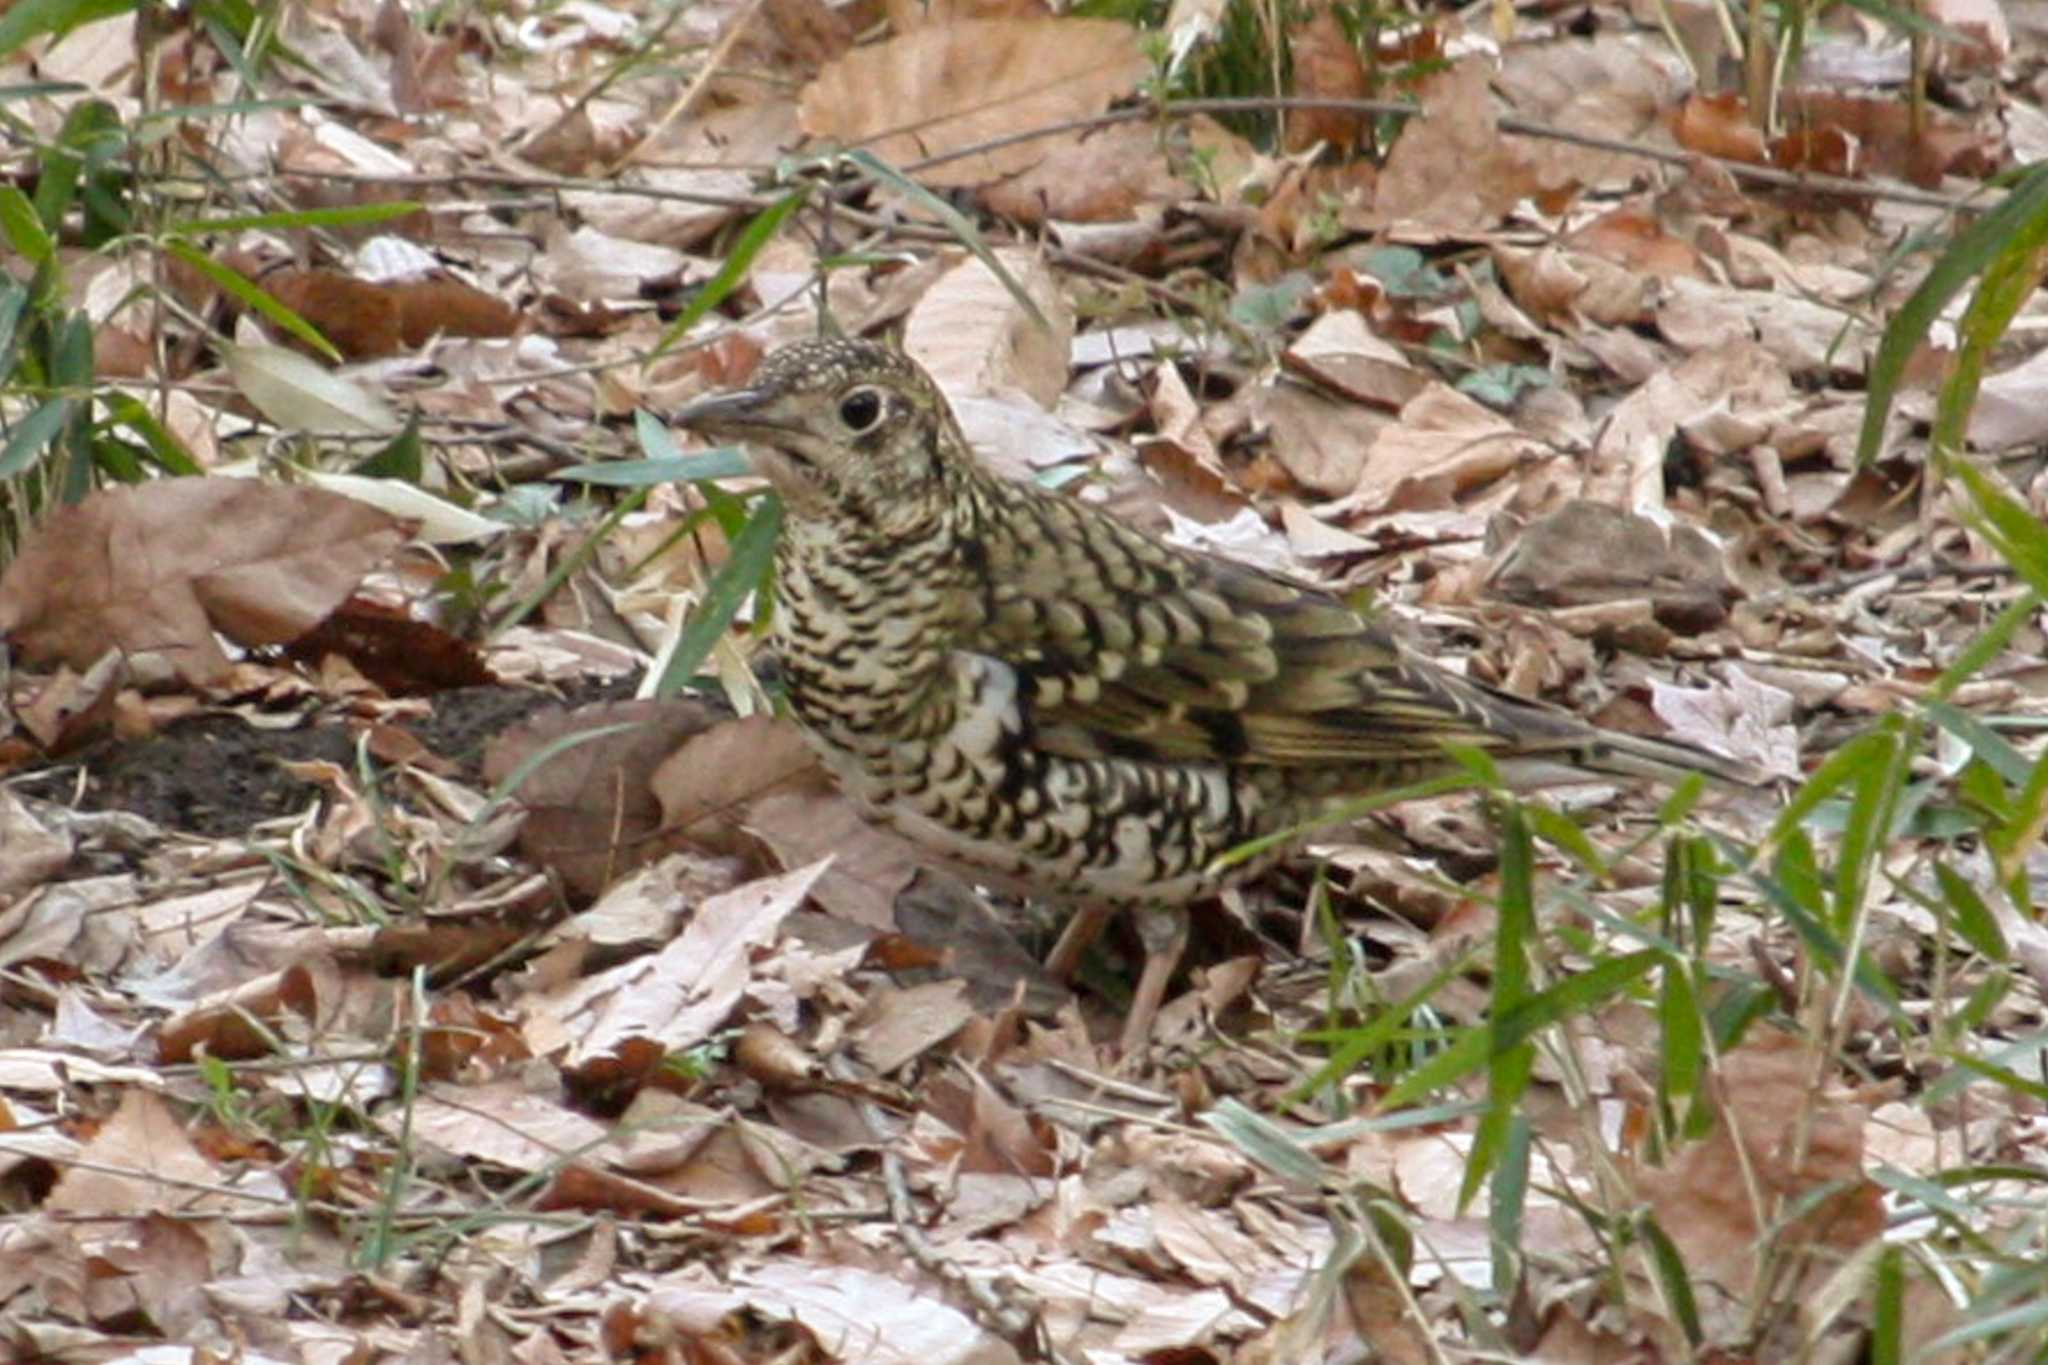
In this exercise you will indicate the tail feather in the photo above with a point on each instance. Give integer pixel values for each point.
(1548, 746)
(1662, 760)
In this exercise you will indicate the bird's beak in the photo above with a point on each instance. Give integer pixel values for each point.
(735, 413)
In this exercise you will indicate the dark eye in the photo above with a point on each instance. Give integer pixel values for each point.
(861, 409)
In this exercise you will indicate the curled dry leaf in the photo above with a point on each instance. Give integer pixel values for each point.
(939, 90)
(756, 774)
(159, 567)
(1595, 552)
(34, 853)
(1103, 176)
(1706, 1195)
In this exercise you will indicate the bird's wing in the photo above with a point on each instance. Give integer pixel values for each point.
(1127, 647)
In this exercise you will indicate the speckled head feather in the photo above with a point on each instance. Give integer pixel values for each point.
(842, 428)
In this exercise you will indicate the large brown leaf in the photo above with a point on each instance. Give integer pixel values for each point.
(159, 567)
(937, 90)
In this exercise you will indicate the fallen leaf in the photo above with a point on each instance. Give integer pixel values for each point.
(938, 90)
(155, 569)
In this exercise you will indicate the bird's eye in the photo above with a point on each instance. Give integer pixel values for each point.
(861, 409)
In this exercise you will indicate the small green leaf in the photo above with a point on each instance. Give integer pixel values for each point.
(1986, 743)
(31, 434)
(24, 226)
(1673, 1278)
(28, 19)
(1267, 1143)
(1970, 916)
(352, 215)
(404, 459)
(725, 462)
(166, 450)
(2015, 219)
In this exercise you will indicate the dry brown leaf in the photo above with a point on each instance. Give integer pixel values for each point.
(157, 568)
(756, 774)
(899, 1026)
(906, 15)
(1588, 552)
(33, 853)
(243, 1023)
(1444, 445)
(1633, 236)
(973, 336)
(868, 1316)
(1323, 444)
(139, 1161)
(1884, 129)
(360, 317)
(1612, 86)
(938, 90)
(75, 708)
(1719, 126)
(1794, 1141)
(401, 654)
(810, 32)
(1987, 38)
(1326, 66)
(871, 865)
(592, 812)
(504, 1123)
(1741, 717)
(1458, 127)
(162, 1274)
(676, 998)
(1103, 176)
(1341, 352)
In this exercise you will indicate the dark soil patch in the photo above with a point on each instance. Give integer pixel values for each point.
(216, 775)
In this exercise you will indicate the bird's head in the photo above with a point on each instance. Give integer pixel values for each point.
(843, 429)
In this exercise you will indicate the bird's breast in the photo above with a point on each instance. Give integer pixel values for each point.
(862, 642)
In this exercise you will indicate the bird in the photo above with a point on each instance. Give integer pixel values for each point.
(1061, 704)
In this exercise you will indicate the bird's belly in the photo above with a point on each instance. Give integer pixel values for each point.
(978, 794)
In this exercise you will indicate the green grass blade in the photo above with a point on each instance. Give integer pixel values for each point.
(725, 462)
(1974, 249)
(32, 18)
(352, 215)
(256, 297)
(745, 570)
(738, 261)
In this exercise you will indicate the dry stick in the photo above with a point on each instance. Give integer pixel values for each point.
(1741, 170)
(1521, 127)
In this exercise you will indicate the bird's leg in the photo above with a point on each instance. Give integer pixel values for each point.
(1165, 935)
(1080, 934)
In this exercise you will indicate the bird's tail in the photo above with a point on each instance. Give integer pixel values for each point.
(1609, 753)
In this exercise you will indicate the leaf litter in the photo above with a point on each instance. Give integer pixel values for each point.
(638, 1042)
